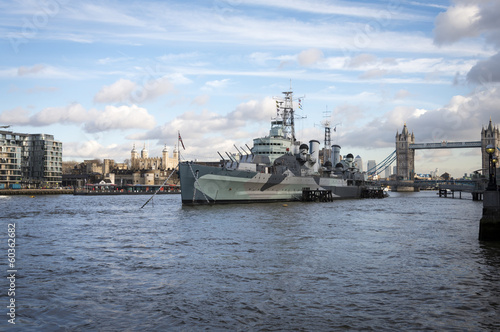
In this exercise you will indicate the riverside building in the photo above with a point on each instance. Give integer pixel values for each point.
(30, 160)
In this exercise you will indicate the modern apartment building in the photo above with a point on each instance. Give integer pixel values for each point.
(31, 160)
(10, 161)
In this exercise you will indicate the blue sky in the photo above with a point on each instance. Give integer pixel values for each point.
(104, 75)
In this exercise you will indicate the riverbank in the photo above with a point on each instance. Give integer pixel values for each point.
(34, 192)
(37, 192)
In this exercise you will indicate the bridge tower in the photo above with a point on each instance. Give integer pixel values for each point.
(405, 157)
(489, 135)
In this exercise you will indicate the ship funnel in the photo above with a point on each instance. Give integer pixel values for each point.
(314, 151)
(335, 154)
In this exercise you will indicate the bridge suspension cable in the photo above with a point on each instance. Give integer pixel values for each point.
(377, 169)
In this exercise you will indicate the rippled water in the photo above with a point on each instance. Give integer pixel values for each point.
(408, 262)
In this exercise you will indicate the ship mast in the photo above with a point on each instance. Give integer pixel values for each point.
(285, 112)
(288, 115)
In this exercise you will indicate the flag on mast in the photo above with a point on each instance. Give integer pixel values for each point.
(180, 140)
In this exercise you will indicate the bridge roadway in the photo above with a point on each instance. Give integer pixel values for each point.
(446, 145)
(434, 183)
(475, 187)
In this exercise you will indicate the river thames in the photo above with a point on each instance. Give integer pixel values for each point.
(408, 262)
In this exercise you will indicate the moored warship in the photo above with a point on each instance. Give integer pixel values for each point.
(278, 168)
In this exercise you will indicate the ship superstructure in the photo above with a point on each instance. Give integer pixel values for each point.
(281, 138)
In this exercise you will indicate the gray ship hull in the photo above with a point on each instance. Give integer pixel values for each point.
(202, 184)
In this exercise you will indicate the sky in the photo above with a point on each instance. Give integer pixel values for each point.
(102, 76)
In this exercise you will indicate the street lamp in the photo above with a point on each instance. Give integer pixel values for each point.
(494, 161)
(490, 150)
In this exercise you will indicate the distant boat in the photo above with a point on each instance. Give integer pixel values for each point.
(278, 168)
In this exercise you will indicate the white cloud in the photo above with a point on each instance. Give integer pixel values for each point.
(348, 113)
(472, 18)
(310, 57)
(178, 79)
(107, 14)
(260, 58)
(74, 113)
(369, 11)
(42, 71)
(430, 69)
(93, 120)
(15, 116)
(374, 73)
(204, 125)
(425, 4)
(254, 111)
(38, 89)
(217, 84)
(201, 100)
(93, 149)
(153, 89)
(108, 60)
(23, 71)
(402, 94)
(485, 71)
(131, 24)
(468, 18)
(362, 60)
(122, 117)
(459, 21)
(118, 92)
(125, 90)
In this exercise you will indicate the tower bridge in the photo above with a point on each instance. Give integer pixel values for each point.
(406, 146)
(489, 226)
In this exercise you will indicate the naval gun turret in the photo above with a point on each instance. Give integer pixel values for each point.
(308, 158)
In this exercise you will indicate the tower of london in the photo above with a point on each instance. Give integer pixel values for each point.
(144, 162)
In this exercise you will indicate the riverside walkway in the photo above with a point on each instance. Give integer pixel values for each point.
(35, 192)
